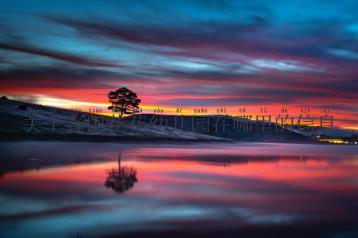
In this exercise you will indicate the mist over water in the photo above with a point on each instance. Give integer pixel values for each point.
(58, 189)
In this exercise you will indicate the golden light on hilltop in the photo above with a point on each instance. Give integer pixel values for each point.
(65, 103)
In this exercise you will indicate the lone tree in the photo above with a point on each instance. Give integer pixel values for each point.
(124, 101)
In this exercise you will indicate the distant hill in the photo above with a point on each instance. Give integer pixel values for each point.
(25, 119)
(334, 132)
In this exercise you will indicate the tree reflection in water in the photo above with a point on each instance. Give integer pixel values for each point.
(123, 179)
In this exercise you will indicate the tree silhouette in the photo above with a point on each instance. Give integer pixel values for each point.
(124, 101)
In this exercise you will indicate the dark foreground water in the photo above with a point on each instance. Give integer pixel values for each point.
(57, 189)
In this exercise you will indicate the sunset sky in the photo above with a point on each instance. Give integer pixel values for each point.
(187, 54)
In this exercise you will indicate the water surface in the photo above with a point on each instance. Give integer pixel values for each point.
(57, 189)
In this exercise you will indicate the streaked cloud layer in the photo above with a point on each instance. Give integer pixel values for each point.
(185, 53)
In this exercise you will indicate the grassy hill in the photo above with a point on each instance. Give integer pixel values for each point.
(229, 127)
(21, 119)
(25, 119)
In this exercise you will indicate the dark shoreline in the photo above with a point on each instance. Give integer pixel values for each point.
(142, 140)
(104, 139)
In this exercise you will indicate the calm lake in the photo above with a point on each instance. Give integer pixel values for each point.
(82, 189)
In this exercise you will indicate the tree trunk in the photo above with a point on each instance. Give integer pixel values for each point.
(122, 108)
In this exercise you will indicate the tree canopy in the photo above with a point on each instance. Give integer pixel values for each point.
(124, 101)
